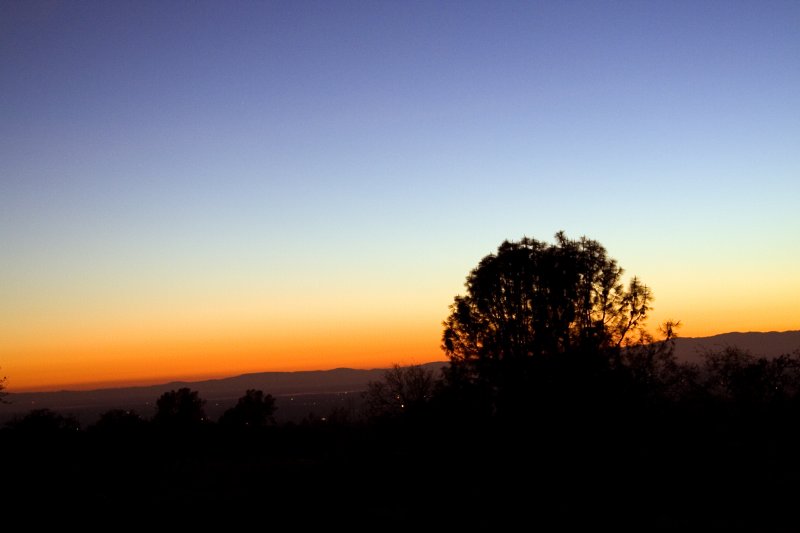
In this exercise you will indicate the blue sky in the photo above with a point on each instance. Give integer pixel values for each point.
(361, 157)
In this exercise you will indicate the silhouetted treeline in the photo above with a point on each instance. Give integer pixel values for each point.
(651, 443)
(729, 381)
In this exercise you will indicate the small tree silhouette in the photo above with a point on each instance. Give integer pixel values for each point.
(254, 409)
(3, 394)
(180, 408)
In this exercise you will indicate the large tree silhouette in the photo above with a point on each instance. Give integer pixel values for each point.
(533, 303)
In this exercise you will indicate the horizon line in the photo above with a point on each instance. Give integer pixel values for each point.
(84, 386)
(136, 383)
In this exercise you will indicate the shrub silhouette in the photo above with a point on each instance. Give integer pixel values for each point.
(736, 376)
(44, 421)
(119, 421)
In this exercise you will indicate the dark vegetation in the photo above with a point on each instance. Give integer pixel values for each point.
(558, 412)
(2, 386)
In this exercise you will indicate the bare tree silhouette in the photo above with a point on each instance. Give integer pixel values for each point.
(402, 390)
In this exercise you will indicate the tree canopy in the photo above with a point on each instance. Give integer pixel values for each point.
(254, 409)
(534, 300)
(182, 407)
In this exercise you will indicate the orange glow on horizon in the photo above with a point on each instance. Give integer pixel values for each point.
(87, 349)
(85, 364)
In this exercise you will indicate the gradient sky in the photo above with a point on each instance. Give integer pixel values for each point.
(209, 188)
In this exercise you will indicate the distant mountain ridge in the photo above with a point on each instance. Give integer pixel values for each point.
(761, 344)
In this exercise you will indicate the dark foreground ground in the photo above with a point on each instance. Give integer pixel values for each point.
(663, 474)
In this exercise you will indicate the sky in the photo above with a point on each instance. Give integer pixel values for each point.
(203, 189)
